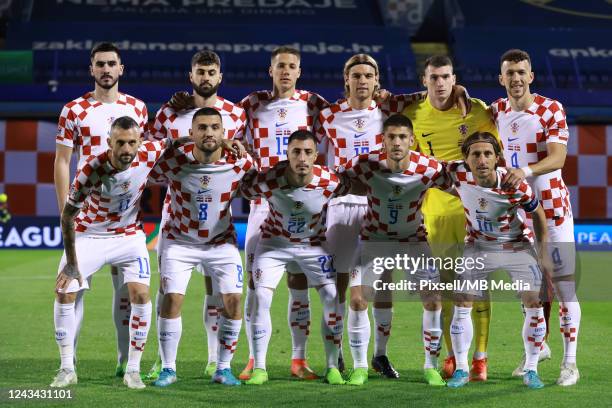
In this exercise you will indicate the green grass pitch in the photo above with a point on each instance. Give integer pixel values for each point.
(29, 355)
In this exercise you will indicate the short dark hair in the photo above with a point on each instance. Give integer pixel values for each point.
(286, 49)
(397, 120)
(515, 55)
(205, 57)
(207, 112)
(104, 47)
(477, 137)
(437, 61)
(302, 134)
(125, 123)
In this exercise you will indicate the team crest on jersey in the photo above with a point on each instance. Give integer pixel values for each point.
(298, 205)
(397, 190)
(257, 274)
(483, 203)
(463, 129)
(359, 124)
(282, 113)
(514, 127)
(125, 186)
(204, 180)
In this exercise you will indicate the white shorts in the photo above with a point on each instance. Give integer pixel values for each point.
(522, 266)
(343, 227)
(257, 215)
(127, 252)
(562, 248)
(371, 256)
(222, 263)
(273, 257)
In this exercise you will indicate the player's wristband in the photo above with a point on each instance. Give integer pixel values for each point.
(527, 170)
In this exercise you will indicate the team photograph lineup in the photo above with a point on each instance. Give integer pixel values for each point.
(333, 189)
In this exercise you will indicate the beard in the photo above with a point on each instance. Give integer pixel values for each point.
(126, 159)
(209, 147)
(106, 85)
(205, 92)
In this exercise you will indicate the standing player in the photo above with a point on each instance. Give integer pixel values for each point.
(439, 129)
(396, 181)
(350, 127)
(535, 133)
(271, 118)
(205, 77)
(498, 237)
(199, 231)
(298, 192)
(105, 199)
(84, 127)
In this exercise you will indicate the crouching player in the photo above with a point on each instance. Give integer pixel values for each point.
(499, 239)
(396, 180)
(298, 192)
(104, 197)
(202, 182)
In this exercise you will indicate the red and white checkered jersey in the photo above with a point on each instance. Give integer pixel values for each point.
(168, 122)
(110, 199)
(350, 132)
(525, 135)
(85, 123)
(395, 198)
(492, 214)
(201, 194)
(270, 122)
(297, 214)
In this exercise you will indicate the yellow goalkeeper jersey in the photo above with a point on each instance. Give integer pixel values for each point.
(440, 134)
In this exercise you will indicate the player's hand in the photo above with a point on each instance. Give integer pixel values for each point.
(182, 101)
(462, 99)
(68, 273)
(512, 179)
(236, 148)
(381, 96)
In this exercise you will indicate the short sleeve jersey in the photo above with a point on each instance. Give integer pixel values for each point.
(110, 199)
(492, 215)
(270, 122)
(395, 198)
(297, 214)
(525, 135)
(440, 134)
(201, 194)
(169, 123)
(84, 123)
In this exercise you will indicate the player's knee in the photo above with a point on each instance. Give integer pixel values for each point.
(297, 281)
(263, 298)
(231, 306)
(171, 305)
(250, 281)
(327, 293)
(64, 298)
(139, 293)
(358, 302)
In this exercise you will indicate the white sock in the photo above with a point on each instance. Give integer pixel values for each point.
(249, 304)
(261, 325)
(331, 325)
(382, 322)
(159, 301)
(211, 311)
(121, 316)
(140, 321)
(229, 330)
(341, 313)
(534, 330)
(359, 332)
(170, 331)
(432, 332)
(569, 321)
(462, 332)
(79, 313)
(298, 317)
(65, 326)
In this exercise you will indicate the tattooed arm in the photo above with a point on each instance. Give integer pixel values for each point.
(71, 270)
